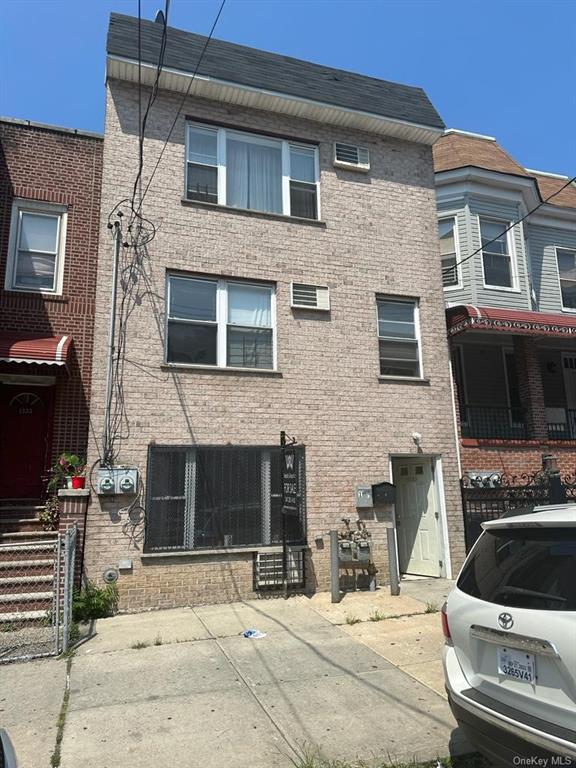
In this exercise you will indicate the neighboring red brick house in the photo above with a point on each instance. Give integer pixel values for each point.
(50, 181)
(511, 305)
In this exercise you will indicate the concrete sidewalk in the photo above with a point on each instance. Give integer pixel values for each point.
(182, 687)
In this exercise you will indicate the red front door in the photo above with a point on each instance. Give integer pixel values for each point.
(25, 427)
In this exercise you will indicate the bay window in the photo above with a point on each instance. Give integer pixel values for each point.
(566, 260)
(223, 323)
(496, 257)
(251, 172)
(449, 259)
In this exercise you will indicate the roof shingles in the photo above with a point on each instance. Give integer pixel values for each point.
(270, 71)
(456, 150)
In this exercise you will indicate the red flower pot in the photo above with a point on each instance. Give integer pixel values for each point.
(78, 482)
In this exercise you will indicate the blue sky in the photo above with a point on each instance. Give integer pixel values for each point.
(506, 68)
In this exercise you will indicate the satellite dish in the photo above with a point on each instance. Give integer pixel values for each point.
(160, 17)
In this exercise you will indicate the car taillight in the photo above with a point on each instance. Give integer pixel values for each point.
(446, 626)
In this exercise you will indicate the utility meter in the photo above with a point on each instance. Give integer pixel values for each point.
(106, 484)
(117, 481)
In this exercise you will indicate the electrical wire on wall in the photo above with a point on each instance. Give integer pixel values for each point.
(132, 232)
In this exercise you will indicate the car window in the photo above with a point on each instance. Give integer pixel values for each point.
(524, 568)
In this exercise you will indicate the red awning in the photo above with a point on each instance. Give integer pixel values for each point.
(48, 350)
(466, 317)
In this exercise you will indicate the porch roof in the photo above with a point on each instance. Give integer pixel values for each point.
(17, 347)
(466, 317)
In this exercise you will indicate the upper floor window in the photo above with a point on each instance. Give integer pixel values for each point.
(446, 229)
(567, 273)
(224, 323)
(399, 337)
(496, 257)
(244, 170)
(36, 248)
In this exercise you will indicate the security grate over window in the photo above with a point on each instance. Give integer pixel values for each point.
(209, 497)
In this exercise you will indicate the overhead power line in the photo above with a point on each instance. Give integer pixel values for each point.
(183, 101)
(452, 267)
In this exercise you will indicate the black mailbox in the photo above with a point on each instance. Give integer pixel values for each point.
(383, 493)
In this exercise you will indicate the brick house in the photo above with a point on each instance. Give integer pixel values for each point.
(511, 308)
(291, 285)
(50, 181)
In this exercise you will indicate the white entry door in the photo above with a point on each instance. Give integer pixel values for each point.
(417, 517)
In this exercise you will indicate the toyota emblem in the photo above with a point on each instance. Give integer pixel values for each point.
(505, 620)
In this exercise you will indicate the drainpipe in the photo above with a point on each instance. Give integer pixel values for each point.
(455, 419)
(111, 342)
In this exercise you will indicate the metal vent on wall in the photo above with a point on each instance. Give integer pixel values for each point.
(306, 296)
(351, 156)
(268, 569)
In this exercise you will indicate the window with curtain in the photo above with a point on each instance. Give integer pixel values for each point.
(205, 497)
(496, 254)
(446, 231)
(250, 171)
(398, 337)
(566, 260)
(224, 323)
(36, 252)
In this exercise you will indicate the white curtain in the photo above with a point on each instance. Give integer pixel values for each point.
(253, 176)
(249, 305)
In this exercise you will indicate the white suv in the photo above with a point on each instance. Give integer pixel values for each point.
(510, 630)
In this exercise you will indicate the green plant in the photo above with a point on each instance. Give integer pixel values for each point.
(94, 602)
(139, 645)
(8, 626)
(431, 608)
(376, 616)
(67, 465)
(50, 515)
(158, 640)
(352, 620)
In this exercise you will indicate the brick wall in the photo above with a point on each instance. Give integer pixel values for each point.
(516, 458)
(62, 167)
(379, 237)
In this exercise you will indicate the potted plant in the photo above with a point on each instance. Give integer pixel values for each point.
(67, 472)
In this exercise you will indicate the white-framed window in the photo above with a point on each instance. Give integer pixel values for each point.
(566, 261)
(36, 247)
(221, 323)
(252, 172)
(399, 337)
(449, 252)
(497, 257)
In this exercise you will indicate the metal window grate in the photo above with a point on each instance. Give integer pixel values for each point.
(207, 497)
(268, 571)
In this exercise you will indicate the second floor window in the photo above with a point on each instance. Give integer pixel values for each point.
(398, 337)
(448, 256)
(36, 252)
(222, 323)
(497, 262)
(244, 170)
(567, 273)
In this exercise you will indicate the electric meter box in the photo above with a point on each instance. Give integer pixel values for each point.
(117, 481)
(364, 496)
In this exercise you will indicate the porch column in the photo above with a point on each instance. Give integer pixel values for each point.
(531, 387)
(73, 509)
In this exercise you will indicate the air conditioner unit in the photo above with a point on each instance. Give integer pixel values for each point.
(305, 296)
(351, 157)
(268, 569)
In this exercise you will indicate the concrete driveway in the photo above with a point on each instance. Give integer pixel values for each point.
(184, 688)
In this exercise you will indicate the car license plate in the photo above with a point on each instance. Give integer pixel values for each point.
(516, 665)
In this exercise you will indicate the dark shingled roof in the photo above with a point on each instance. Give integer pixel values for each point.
(270, 71)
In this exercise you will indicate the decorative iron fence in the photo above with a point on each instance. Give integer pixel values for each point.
(493, 422)
(487, 497)
(36, 586)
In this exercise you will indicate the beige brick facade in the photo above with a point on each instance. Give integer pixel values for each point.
(378, 236)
